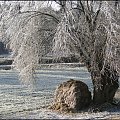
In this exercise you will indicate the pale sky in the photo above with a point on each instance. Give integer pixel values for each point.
(53, 4)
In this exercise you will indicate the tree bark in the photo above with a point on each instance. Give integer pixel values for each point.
(105, 86)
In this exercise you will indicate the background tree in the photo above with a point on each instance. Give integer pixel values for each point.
(29, 32)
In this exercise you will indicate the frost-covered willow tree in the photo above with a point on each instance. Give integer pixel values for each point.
(30, 28)
(88, 29)
(91, 29)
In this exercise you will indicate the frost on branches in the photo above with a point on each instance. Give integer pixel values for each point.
(88, 29)
(91, 30)
(28, 31)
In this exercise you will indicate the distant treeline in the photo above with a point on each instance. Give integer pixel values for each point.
(3, 50)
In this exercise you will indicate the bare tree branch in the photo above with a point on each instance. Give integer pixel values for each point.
(41, 13)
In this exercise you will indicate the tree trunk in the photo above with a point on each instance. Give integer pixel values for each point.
(105, 85)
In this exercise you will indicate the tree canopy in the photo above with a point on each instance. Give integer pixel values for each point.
(88, 29)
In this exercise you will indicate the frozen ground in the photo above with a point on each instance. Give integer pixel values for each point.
(28, 102)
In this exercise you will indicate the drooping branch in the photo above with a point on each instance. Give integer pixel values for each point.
(42, 13)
